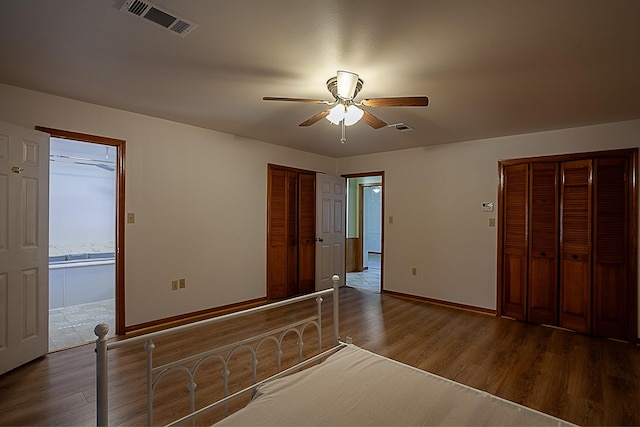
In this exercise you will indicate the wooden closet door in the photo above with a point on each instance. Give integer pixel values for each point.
(575, 246)
(514, 228)
(307, 233)
(611, 234)
(277, 234)
(292, 233)
(542, 306)
(291, 217)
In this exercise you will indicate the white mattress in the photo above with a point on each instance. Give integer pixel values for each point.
(355, 387)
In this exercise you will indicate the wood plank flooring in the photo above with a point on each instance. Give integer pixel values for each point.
(584, 380)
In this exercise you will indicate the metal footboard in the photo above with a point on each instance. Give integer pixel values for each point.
(189, 365)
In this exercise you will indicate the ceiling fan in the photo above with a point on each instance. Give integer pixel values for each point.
(345, 111)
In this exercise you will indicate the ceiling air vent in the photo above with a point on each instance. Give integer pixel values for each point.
(401, 127)
(151, 12)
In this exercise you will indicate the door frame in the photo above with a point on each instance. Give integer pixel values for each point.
(120, 211)
(382, 213)
(361, 188)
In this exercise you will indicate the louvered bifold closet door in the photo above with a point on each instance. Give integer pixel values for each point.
(277, 235)
(292, 233)
(611, 234)
(514, 262)
(575, 246)
(291, 228)
(542, 304)
(307, 233)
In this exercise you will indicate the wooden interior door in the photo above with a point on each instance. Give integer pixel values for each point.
(291, 206)
(277, 234)
(542, 302)
(307, 233)
(515, 243)
(575, 245)
(582, 235)
(611, 240)
(290, 232)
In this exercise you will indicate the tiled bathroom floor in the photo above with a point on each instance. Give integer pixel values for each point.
(368, 279)
(73, 325)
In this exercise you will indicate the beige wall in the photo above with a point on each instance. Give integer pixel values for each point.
(435, 196)
(199, 197)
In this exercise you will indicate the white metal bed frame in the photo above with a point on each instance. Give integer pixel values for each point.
(155, 373)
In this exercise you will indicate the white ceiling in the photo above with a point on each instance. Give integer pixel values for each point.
(489, 68)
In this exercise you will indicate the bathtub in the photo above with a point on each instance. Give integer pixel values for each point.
(81, 278)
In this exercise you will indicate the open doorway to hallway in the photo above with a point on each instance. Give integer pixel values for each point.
(82, 237)
(364, 258)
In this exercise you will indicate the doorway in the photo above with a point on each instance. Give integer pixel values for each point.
(86, 219)
(365, 242)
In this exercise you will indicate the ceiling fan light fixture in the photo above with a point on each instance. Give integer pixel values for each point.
(347, 82)
(352, 115)
(336, 114)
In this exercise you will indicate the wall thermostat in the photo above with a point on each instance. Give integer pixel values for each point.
(487, 207)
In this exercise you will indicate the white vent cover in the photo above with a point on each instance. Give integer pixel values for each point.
(151, 12)
(401, 127)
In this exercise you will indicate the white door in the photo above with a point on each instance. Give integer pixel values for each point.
(330, 229)
(24, 245)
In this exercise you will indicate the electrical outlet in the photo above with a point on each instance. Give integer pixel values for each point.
(131, 218)
(492, 222)
(174, 285)
(183, 283)
(414, 271)
(390, 220)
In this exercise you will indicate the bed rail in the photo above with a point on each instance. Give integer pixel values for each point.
(155, 373)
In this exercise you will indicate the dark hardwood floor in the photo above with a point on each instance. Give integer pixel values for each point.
(584, 380)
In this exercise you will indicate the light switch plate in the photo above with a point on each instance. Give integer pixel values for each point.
(487, 207)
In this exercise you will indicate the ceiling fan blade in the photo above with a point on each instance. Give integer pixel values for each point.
(372, 120)
(312, 101)
(315, 118)
(401, 101)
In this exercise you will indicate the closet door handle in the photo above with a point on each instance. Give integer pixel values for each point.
(574, 256)
(543, 254)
